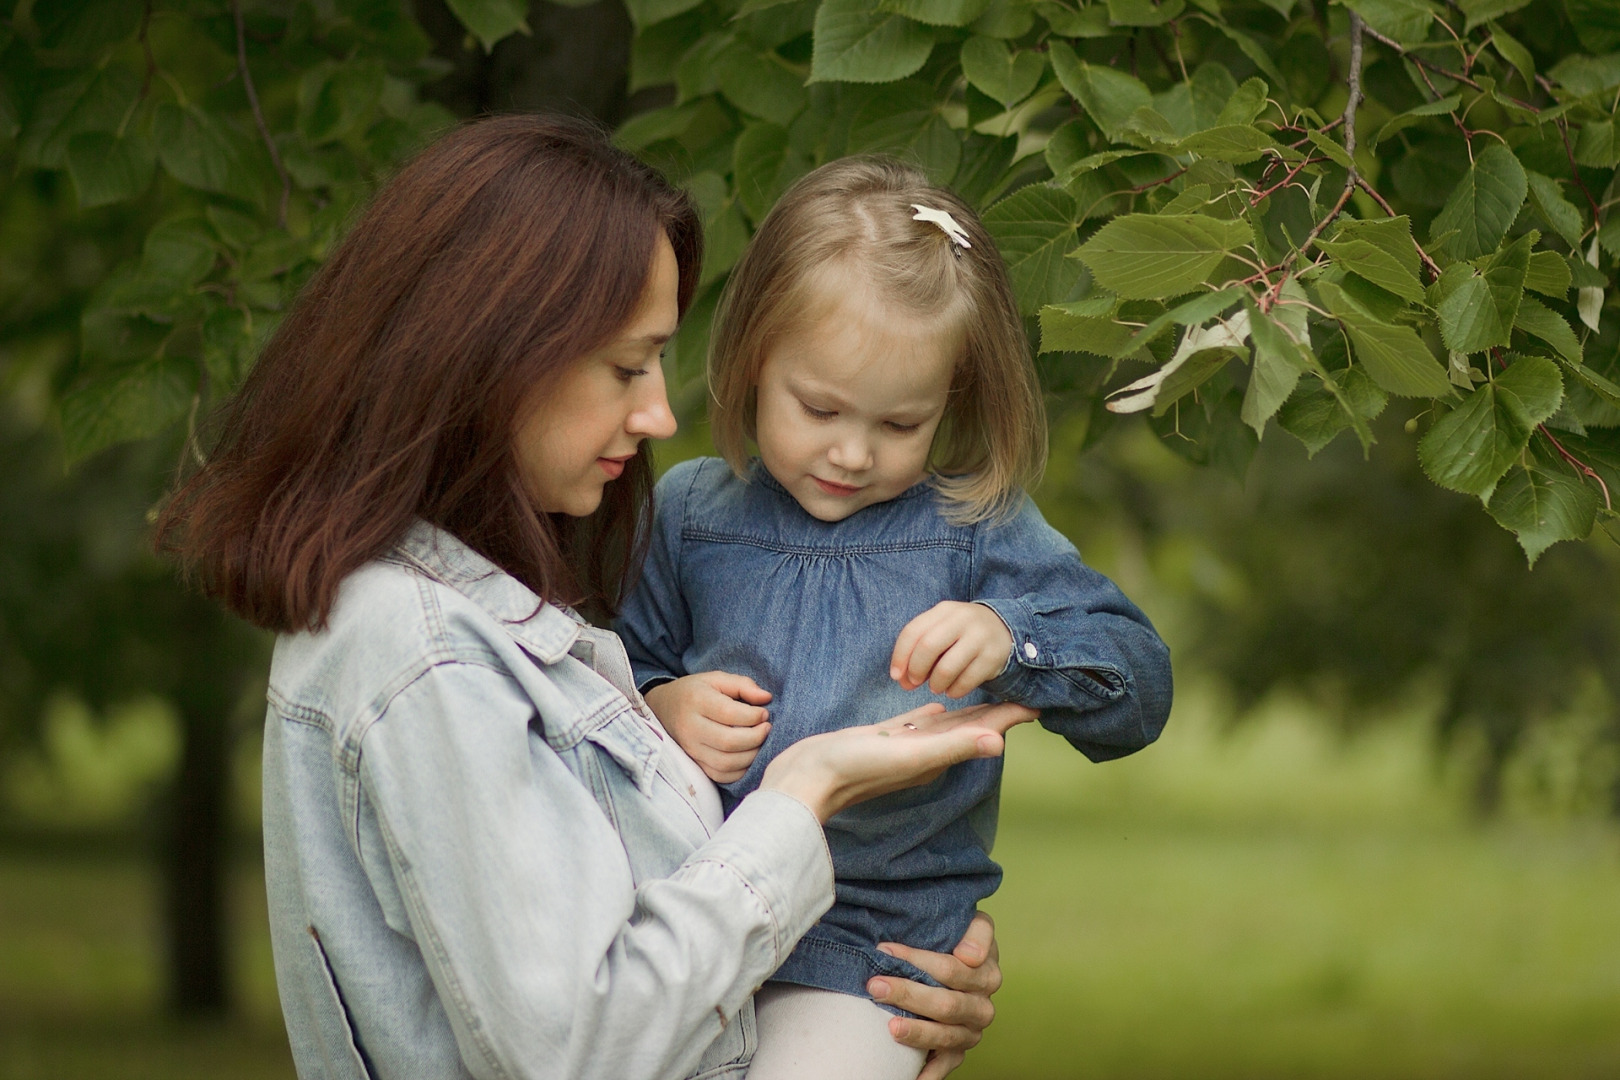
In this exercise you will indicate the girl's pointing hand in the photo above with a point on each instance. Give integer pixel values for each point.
(953, 647)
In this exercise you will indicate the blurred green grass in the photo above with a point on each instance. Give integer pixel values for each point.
(1271, 902)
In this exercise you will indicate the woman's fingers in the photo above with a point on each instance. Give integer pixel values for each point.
(977, 982)
(941, 1063)
(978, 944)
(953, 1019)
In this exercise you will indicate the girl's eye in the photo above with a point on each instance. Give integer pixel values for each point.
(903, 429)
(815, 413)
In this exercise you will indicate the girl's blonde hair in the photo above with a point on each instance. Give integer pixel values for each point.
(991, 443)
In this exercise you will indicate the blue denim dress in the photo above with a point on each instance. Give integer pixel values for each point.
(741, 579)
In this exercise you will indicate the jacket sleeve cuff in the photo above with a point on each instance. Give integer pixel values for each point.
(777, 847)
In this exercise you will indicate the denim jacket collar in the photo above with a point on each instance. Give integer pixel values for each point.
(546, 631)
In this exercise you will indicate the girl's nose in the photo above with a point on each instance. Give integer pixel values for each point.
(851, 453)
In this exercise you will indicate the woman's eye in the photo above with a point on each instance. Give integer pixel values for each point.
(625, 374)
(817, 414)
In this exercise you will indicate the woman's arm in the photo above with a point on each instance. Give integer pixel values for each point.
(549, 960)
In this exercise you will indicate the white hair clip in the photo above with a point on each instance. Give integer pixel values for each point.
(947, 224)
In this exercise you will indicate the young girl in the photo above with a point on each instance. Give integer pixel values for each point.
(869, 344)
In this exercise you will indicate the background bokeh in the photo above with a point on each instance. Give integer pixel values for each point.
(1378, 838)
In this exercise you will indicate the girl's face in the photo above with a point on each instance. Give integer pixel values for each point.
(579, 436)
(847, 408)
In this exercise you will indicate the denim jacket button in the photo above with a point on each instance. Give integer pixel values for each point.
(1030, 650)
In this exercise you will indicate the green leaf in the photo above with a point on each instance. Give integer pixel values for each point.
(1238, 144)
(907, 120)
(1481, 11)
(1085, 326)
(763, 165)
(1149, 256)
(1246, 103)
(1547, 197)
(94, 101)
(1320, 408)
(1605, 390)
(132, 402)
(1402, 121)
(1199, 309)
(1255, 51)
(1376, 265)
(1407, 21)
(1484, 204)
(645, 13)
(1597, 22)
(1598, 145)
(1542, 506)
(1090, 22)
(1108, 96)
(1035, 228)
(491, 21)
(983, 168)
(1005, 19)
(200, 151)
(1548, 274)
(657, 49)
(108, 169)
(1583, 75)
(855, 42)
(1007, 76)
(1330, 147)
(1470, 447)
(1394, 356)
(1515, 54)
(1201, 352)
(79, 27)
(641, 131)
(1538, 320)
(725, 233)
(1144, 12)
(938, 12)
(336, 100)
(1279, 360)
(1477, 306)
(760, 84)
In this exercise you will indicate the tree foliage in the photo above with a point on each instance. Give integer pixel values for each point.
(1228, 215)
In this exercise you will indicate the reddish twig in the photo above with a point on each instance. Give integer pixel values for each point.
(1428, 264)
(1575, 173)
(258, 116)
(1285, 181)
(1581, 468)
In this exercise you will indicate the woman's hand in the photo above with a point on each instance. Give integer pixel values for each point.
(836, 769)
(959, 1011)
(718, 718)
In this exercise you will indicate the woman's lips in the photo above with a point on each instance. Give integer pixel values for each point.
(843, 491)
(613, 466)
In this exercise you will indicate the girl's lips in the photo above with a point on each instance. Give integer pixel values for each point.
(840, 490)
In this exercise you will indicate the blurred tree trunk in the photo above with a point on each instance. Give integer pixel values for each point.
(195, 864)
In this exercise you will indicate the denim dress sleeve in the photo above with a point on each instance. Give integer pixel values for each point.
(549, 959)
(1082, 653)
(654, 622)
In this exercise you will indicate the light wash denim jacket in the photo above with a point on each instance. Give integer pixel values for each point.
(482, 858)
(740, 578)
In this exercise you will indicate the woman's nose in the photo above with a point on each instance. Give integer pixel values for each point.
(652, 418)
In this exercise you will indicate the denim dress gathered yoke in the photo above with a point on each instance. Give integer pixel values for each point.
(484, 857)
(739, 578)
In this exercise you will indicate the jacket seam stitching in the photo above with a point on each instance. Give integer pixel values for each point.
(843, 551)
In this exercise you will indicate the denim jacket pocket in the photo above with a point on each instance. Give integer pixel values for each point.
(340, 1049)
(729, 1056)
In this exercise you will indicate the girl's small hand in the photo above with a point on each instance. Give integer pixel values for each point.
(954, 647)
(717, 718)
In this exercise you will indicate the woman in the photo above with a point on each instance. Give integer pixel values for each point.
(483, 855)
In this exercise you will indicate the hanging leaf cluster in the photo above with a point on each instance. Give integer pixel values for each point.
(237, 137)
(1226, 216)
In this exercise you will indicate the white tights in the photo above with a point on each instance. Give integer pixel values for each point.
(811, 1034)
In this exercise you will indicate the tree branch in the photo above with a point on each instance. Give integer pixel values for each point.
(1349, 118)
(1432, 266)
(1445, 73)
(258, 115)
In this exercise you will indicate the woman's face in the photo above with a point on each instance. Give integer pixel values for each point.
(580, 434)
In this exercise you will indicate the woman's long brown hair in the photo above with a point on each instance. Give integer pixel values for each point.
(505, 252)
